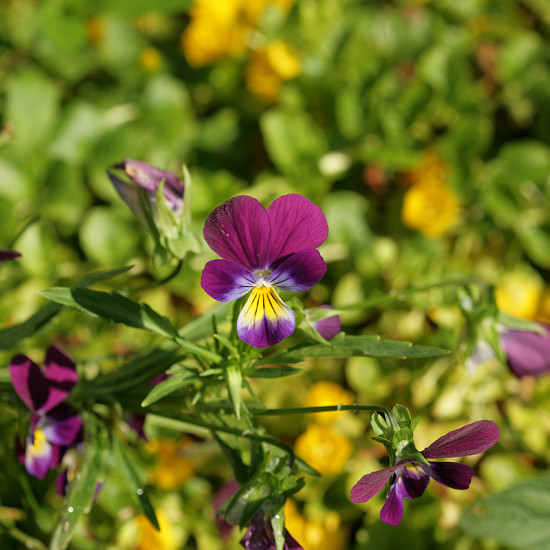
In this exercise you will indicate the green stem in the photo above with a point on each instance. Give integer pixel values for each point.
(154, 284)
(329, 408)
(399, 295)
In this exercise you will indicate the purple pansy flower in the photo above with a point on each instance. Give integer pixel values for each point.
(328, 328)
(528, 352)
(259, 536)
(408, 482)
(53, 425)
(7, 254)
(148, 178)
(262, 250)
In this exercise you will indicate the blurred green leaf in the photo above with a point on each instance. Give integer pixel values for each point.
(272, 372)
(133, 8)
(134, 483)
(516, 517)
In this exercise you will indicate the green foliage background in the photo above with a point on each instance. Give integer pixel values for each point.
(381, 83)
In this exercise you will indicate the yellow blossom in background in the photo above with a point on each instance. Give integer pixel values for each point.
(325, 393)
(431, 207)
(315, 534)
(324, 448)
(172, 469)
(149, 538)
(543, 308)
(150, 59)
(519, 294)
(269, 67)
(430, 167)
(94, 30)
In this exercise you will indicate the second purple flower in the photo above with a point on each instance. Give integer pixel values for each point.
(262, 250)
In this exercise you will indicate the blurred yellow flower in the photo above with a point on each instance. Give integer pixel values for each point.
(172, 469)
(151, 539)
(431, 207)
(519, 294)
(325, 393)
(222, 28)
(315, 534)
(324, 448)
(430, 167)
(150, 59)
(543, 309)
(269, 67)
(94, 30)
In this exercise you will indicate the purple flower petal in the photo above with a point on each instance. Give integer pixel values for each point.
(38, 455)
(296, 224)
(392, 511)
(299, 271)
(239, 231)
(265, 319)
(472, 439)
(450, 474)
(371, 484)
(130, 195)
(8, 255)
(62, 429)
(415, 482)
(528, 352)
(226, 281)
(149, 178)
(60, 372)
(29, 382)
(328, 328)
(259, 536)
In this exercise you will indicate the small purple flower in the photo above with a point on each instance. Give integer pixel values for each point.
(407, 482)
(328, 328)
(262, 250)
(259, 536)
(53, 425)
(528, 352)
(8, 255)
(148, 178)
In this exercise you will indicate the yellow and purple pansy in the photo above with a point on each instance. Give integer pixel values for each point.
(53, 425)
(264, 250)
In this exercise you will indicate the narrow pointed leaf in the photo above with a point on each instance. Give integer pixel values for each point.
(168, 386)
(134, 483)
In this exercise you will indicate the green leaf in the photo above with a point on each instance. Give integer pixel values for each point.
(134, 483)
(133, 8)
(271, 372)
(112, 307)
(234, 384)
(240, 471)
(516, 517)
(350, 346)
(168, 386)
(80, 497)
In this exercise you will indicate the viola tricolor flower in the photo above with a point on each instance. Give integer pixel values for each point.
(53, 425)
(262, 250)
(259, 536)
(148, 178)
(527, 352)
(411, 483)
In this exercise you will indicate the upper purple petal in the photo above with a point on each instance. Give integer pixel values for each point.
(415, 482)
(328, 328)
(7, 254)
(528, 352)
(226, 281)
(472, 439)
(299, 271)
(130, 194)
(60, 371)
(392, 511)
(239, 231)
(450, 474)
(29, 382)
(371, 484)
(296, 224)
